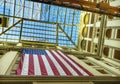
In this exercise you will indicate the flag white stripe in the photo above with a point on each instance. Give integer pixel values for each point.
(47, 65)
(76, 66)
(59, 68)
(37, 70)
(65, 63)
(25, 65)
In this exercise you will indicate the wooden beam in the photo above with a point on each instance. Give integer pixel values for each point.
(101, 7)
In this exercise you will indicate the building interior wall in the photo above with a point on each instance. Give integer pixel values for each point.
(98, 35)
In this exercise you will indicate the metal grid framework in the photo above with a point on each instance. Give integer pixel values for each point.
(39, 23)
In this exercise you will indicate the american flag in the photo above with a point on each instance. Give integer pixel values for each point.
(49, 63)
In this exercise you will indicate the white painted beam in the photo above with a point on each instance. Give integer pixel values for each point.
(89, 25)
(58, 47)
(113, 23)
(89, 39)
(89, 68)
(97, 24)
(95, 40)
(115, 3)
(111, 69)
(112, 43)
(110, 23)
(111, 61)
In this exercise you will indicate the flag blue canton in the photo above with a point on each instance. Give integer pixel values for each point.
(33, 51)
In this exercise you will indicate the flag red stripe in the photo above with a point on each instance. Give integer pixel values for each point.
(54, 69)
(61, 64)
(74, 68)
(62, 59)
(19, 69)
(42, 66)
(31, 65)
(89, 73)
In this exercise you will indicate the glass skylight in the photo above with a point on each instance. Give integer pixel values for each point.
(39, 22)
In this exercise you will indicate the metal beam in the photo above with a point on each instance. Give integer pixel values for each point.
(22, 22)
(72, 22)
(37, 43)
(59, 27)
(101, 7)
(37, 20)
(65, 18)
(109, 68)
(14, 10)
(57, 34)
(11, 26)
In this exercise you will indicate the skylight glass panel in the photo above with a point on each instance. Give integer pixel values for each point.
(40, 22)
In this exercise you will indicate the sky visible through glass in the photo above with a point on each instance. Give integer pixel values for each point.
(40, 22)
